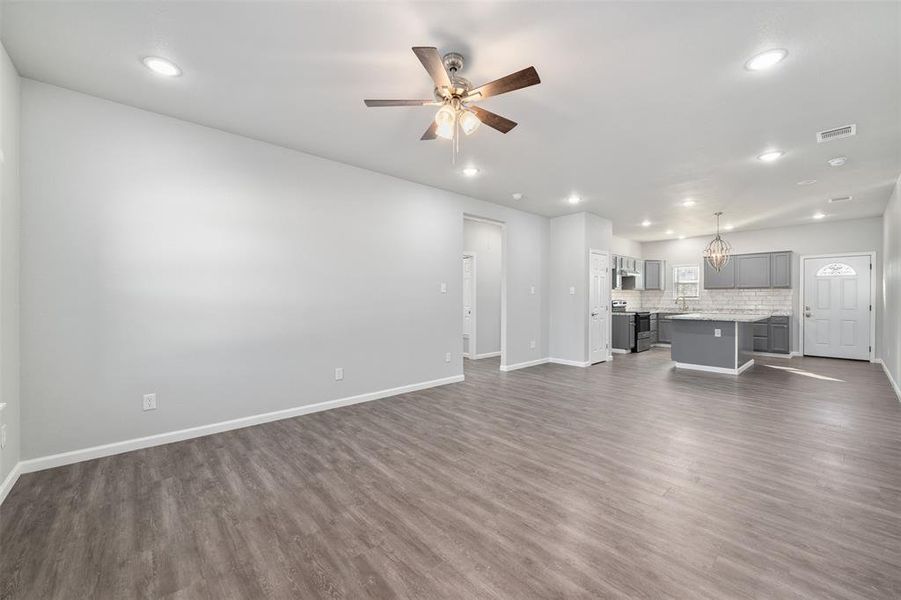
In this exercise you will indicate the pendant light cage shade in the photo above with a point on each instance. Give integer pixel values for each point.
(718, 252)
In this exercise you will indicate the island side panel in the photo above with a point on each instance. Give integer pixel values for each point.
(694, 342)
(745, 342)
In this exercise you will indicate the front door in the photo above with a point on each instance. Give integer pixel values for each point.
(837, 307)
(598, 291)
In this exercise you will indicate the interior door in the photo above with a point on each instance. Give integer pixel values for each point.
(468, 281)
(599, 307)
(837, 307)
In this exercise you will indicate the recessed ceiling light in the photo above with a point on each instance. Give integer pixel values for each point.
(574, 199)
(688, 202)
(681, 237)
(837, 161)
(771, 155)
(670, 232)
(818, 215)
(517, 196)
(645, 223)
(806, 182)
(766, 60)
(729, 227)
(161, 66)
(470, 171)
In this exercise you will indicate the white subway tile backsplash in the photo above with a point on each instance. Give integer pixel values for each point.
(759, 300)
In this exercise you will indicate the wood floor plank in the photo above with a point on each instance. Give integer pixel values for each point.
(623, 480)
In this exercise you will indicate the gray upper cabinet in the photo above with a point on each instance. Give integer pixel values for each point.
(759, 270)
(781, 269)
(654, 275)
(719, 280)
(752, 270)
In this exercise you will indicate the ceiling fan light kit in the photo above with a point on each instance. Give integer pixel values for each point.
(456, 97)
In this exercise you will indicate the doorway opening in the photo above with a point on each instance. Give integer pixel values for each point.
(483, 295)
(837, 313)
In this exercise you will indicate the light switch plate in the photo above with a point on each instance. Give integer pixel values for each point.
(532, 344)
(717, 333)
(572, 290)
(339, 373)
(443, 288)
(447, 357)
(532, 290)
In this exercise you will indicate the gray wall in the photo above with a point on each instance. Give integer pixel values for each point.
(818, 238)
(484, 239)
(572, 238)
(568, 268)
(230, 276)
(9, 262)
(890, 350)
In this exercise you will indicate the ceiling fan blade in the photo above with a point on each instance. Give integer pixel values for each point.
(373, 103)
(432, 62)
(431, 133)
(490, 119)
(514, 81)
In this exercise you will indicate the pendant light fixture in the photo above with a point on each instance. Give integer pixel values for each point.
(718, 252)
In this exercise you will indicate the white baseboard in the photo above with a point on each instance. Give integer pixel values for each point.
(707, 369)
(569, 363)
(67, 458)
(524, 365)
(620, 351)
(486, 355)
(10, 481)
(888, 374)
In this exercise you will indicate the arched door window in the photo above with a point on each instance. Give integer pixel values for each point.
(836, 270)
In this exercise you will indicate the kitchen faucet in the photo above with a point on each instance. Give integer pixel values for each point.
(682, 303)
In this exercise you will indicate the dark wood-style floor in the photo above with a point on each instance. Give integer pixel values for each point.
(623, 480)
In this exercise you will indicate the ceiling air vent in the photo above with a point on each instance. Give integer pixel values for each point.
(836, 134)
(840, 199)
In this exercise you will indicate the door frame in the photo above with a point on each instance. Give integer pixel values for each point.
(473, 349)
(801, 285)
(609, 292)
(503, 227)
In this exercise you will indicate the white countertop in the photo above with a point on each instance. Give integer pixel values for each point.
(736, 317)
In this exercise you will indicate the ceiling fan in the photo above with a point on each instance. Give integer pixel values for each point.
(456, 96)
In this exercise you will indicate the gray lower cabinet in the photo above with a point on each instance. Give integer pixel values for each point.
(781, 269)
(664, 329)
(780, 335)
(773, 335)
(719, 280)
(654, 275)
(623, 333)
(752, 270)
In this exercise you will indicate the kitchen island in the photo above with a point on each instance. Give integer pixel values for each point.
(715, 342)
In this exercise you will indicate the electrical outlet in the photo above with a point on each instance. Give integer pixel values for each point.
(532, 344)
(3, 436)
(443, 288)
(149, 402)
(339, 373)
(447, 357)
(717, 333)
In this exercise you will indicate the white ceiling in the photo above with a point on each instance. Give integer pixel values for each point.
(641, 104)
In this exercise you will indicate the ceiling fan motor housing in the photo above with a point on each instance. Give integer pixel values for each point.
(453, 63)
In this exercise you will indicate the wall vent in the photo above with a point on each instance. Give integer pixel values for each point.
(836, 134)
(841, 199)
